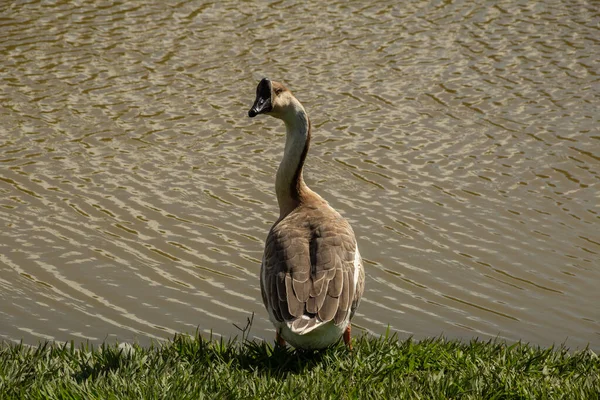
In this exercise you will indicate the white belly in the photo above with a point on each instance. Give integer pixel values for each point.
(323, 336)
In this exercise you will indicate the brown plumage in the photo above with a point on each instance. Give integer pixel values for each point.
(312, 277)
(309, 267)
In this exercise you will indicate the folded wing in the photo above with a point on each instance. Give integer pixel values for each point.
(310, 270)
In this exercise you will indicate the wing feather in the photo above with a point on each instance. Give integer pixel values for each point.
(328, 309)
(301, 288)
(295, 306)
(307, 275)
(336, 284)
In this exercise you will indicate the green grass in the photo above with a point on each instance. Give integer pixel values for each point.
(193, 367)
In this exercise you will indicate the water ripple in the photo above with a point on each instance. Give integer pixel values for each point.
(459, 138)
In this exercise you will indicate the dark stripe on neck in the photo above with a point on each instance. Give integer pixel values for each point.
(295, 185)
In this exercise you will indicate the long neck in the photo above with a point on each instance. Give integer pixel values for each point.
(289, 184)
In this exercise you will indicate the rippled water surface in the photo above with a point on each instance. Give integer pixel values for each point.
(459, 138)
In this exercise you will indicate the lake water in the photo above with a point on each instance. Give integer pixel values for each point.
(460, 138)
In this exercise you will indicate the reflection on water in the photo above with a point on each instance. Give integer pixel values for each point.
(460, 139)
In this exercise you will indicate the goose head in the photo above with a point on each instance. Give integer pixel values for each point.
(272, 98)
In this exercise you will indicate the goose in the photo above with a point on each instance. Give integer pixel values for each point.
(311, 275)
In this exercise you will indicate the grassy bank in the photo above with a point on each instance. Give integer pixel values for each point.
(194, 368)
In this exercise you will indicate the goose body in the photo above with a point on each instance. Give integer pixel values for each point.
(311, 277)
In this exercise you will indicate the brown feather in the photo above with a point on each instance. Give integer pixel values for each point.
(295, 306)
(301, 289)
(329, 308)
(344, 297)
(318, 285)
(283, 309)
(280, 282)
(337, 282)
(309, 266)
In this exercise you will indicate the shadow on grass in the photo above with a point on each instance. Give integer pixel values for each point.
(275, 360)
(202, 353)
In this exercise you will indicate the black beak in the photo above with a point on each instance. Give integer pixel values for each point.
(262, 104)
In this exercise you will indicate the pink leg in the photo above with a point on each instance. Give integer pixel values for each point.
(278, 339)
(347, 337)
